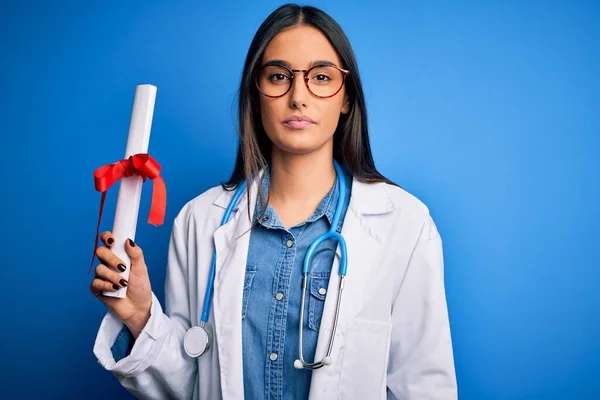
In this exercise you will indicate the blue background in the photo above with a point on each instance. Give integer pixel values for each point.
(489, 112)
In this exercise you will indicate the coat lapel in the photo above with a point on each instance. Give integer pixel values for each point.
(364, 250)
(231, 243)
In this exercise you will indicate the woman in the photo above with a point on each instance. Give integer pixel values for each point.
(302, 115)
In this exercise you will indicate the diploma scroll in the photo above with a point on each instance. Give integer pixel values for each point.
(130, 187)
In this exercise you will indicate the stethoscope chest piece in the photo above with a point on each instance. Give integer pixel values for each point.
(196, 341)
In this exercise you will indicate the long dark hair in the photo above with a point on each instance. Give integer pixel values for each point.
(351, 139)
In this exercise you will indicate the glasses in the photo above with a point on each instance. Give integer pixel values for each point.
(322, 81)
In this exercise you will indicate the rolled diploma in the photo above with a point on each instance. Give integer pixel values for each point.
(130, 187)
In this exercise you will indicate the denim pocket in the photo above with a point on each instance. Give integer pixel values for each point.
(250, 272)
(316, 302)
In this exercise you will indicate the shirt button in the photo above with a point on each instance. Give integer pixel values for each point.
(290, 243)
(322, 291)
(273, 356)
(279, 296)
(265, 218)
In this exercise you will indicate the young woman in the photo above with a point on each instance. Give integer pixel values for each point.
(269, 319)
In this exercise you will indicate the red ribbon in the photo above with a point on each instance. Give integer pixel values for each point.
(140, 164)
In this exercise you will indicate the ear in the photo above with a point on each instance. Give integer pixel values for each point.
(346, 105)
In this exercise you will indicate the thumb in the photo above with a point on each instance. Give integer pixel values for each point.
(136, 255)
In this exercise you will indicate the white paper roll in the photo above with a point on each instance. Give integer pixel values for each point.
(130, 188)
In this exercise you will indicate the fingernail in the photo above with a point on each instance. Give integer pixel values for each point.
(110, 241)
(116, 287)
(123, 282)
(121, 267)
(131, 243)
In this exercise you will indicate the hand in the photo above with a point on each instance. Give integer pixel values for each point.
(134, 309)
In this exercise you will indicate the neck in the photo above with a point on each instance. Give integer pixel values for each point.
(300, 178)
(299, 183)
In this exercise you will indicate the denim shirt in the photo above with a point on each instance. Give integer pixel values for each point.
(123, 344)
(272, 296)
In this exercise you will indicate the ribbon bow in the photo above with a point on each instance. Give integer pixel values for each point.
(141, 164)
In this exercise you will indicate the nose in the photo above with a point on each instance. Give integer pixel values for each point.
(298, 92)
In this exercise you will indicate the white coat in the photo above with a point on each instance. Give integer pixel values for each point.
(393, 337)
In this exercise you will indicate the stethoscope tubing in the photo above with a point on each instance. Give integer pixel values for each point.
(332, 233)
(213, 265)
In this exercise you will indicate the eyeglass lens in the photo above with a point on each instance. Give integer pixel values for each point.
(323, 81)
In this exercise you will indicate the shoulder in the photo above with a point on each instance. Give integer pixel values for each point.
(397, 208)
(411, 207)
(406, 201)
(202, 207)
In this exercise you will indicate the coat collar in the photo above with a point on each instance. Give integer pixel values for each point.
(365, 198)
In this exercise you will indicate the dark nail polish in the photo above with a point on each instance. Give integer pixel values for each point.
(121, 267)
(131, 243)
(110, 241)
(123, 282)
(116, 287)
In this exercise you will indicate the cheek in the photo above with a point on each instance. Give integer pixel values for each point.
(331, 116)
(268, 114)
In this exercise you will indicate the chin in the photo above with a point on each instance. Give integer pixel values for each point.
(300, 145)
(297, 148)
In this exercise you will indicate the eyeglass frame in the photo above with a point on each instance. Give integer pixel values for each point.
(344, 72)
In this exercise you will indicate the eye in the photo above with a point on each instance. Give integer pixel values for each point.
(278, 77)
(322, 77)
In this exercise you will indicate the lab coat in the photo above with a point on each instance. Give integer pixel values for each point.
(393, 336)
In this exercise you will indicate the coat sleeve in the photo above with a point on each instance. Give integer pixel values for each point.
(157, 366)
(421, 364)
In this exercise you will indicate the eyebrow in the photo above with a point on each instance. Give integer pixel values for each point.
(315, 63)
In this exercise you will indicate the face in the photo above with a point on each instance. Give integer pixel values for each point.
(300, 47)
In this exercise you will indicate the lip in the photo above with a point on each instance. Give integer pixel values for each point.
(298, 122)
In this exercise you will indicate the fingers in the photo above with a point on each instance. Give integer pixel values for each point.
(102, 271)
(136, 254)
(107, 279)
(109, 259)
(98, 285)
(107, 238)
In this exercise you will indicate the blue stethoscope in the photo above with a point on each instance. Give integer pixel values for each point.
(197, 340)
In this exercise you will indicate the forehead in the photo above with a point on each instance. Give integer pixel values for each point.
(299, 46)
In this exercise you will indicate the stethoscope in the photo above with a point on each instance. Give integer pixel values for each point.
(197, 340)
